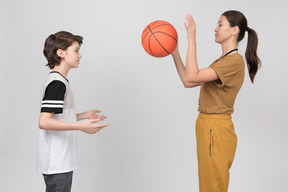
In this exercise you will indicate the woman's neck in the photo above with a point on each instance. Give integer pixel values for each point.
(228, 47)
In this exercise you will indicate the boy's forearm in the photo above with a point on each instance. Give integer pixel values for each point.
(81, 116)
(47, 122)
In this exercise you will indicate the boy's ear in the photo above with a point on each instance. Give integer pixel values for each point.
(60, 53)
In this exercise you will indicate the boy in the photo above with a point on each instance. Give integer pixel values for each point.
(58, 120)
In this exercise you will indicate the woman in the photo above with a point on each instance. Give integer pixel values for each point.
(220, 83)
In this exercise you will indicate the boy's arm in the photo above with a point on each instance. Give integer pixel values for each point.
(46, 121)
(92, 114)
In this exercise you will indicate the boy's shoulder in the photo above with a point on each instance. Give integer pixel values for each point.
(56, 94)
(55, 76)
(55, 83)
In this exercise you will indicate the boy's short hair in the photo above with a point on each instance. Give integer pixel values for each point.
(61, 40)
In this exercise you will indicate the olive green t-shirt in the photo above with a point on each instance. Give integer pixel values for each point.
(218, 97)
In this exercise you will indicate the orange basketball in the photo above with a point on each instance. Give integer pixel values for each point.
(159, 38)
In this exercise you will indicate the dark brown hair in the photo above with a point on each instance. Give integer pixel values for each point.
(61, 40)
(236, 18)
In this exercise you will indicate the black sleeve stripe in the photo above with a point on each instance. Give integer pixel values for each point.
(53, 99)
(55, 91)
(52, 110)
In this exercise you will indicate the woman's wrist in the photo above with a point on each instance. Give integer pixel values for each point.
(175, 52)
(192, 41)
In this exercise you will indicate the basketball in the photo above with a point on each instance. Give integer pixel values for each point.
(159, 38)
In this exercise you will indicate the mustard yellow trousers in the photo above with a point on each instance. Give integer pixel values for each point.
(216, 146)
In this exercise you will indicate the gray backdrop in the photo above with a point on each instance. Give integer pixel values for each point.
(150, 144)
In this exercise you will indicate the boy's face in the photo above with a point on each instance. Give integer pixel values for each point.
(72, 56)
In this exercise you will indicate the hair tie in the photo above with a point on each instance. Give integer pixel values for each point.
(247, 29)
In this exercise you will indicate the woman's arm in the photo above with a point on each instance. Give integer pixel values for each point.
(181, 69)
(191, 75)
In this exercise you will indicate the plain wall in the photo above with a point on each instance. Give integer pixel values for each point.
(150, 144)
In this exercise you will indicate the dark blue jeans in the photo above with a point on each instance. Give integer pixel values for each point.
(60, 182)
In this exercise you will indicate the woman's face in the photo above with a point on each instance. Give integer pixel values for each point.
(223, 31)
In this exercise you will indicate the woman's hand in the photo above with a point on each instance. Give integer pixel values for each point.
(190, 26)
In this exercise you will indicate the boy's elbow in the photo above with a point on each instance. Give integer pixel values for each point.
(41, 124)
(45, 120)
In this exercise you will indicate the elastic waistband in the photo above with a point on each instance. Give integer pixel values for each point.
(214, 116)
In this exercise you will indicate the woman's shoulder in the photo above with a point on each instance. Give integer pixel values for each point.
(233, 60)
(234, 57)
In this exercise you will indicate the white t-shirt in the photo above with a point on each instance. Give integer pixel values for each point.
(57, 149)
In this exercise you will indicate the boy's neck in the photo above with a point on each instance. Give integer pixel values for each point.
(62, 70)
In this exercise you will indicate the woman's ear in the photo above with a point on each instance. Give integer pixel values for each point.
(236, 30)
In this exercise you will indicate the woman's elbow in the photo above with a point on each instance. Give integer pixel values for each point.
(190, 84)
(190, 79)
(186, 85)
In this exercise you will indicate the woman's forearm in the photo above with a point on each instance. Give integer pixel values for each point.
(181, 69)
(192, 68)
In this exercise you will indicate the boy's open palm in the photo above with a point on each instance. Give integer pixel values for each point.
(90, 127)
(94, 114)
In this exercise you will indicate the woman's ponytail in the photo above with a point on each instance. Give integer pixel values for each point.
(252, 59)
(236, 18)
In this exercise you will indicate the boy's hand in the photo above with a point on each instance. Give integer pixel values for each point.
(90, 127)
(93, 114)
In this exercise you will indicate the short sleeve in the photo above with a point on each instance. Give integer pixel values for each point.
(53, 99)
(225, 69)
